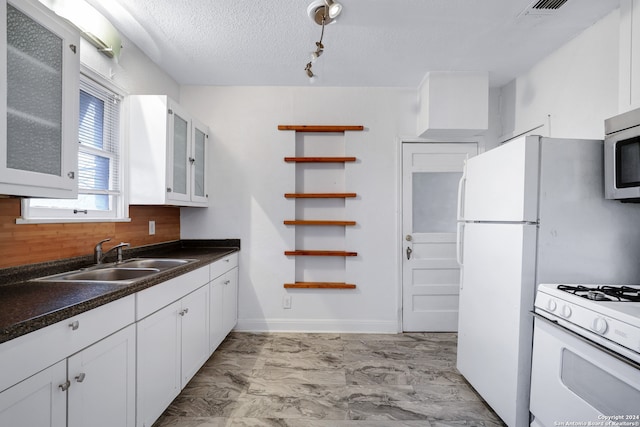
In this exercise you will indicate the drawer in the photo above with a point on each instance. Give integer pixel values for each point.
(154, 298)
(218, 268)
(26, 355)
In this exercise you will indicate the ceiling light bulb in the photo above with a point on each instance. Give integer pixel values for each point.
(334, 8)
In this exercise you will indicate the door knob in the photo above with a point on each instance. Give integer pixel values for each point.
(409, 250)
(408, 238)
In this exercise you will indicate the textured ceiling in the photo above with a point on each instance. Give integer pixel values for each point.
(374, 43)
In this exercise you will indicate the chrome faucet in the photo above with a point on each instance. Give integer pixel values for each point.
(99, 255)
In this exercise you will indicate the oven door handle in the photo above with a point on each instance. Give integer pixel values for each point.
(597, 346)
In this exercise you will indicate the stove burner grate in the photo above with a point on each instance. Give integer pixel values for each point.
(603, 292)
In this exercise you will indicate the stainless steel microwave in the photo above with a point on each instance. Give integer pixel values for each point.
(622, 157)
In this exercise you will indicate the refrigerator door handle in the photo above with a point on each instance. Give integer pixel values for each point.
(459, 237)
(461, 189)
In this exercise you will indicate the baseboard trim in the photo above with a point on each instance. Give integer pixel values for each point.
(306, 325)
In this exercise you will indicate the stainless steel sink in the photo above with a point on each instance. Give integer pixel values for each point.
(107, 274)
(159, 263)
(122, 273)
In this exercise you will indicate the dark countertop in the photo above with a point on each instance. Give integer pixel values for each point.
(27, 305)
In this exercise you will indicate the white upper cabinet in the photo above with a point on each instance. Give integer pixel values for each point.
(168, 149)
(39, 73)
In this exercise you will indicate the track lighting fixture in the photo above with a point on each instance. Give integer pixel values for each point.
(308, 70)
(334, 8)
(322, 12)
(319, 49)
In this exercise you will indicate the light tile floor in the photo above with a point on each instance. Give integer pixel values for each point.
(330, 380)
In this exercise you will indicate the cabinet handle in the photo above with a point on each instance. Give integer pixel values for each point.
(72, 47)
(226, 282)
(183, 312)
(71, 174)
(169, 190)
(192, 160)
(65, 385)
(80, 377)
(74, 325)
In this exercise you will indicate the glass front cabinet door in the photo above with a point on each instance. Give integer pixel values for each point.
(178, 177)
(39, 72)
(200, 134)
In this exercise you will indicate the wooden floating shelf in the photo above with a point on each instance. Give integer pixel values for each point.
(319, 159)
(320, 253)
(319, 285)
(319, 128)
(317, 222)
(319, 195)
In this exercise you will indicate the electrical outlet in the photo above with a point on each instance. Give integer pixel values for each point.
(152, 228)
(286, 301)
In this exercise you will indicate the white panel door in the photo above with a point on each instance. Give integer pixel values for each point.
(158, 363)
(230, 312)
(103, 381)
(495, 330)
(37, 401)
(430, 273)
(195, 332)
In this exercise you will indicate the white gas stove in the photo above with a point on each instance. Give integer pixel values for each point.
(606, 314)
(586, 355)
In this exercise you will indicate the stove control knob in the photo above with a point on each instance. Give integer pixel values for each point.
(566, 311)
(551, 305)
(599, 325)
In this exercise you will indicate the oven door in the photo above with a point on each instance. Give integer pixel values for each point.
(573, 379)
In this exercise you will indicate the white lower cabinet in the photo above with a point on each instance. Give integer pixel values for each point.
(173, 343)
(49, 388)
(121, 364)
(36, 401)
(158, 368)
(195, 333)
(102, 382)
(223, 306)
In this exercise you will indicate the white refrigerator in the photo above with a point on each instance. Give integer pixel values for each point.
(531, 211)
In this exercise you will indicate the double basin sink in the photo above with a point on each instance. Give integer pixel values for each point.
(125, 272)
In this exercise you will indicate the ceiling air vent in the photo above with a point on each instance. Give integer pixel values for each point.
(543, 7)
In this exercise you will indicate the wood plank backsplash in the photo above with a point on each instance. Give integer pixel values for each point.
(31, 243)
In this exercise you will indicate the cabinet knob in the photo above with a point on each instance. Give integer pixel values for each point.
(74, 325)
(192, 160)
(80, 377)
(73, 48)
(169, 190)
(183, 312)
(226, 282)
(65, 385)
(71, 175)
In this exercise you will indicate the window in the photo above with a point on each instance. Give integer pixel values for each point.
(99, 167)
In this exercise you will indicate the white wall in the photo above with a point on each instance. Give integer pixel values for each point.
(249, 179)
(577, 86)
